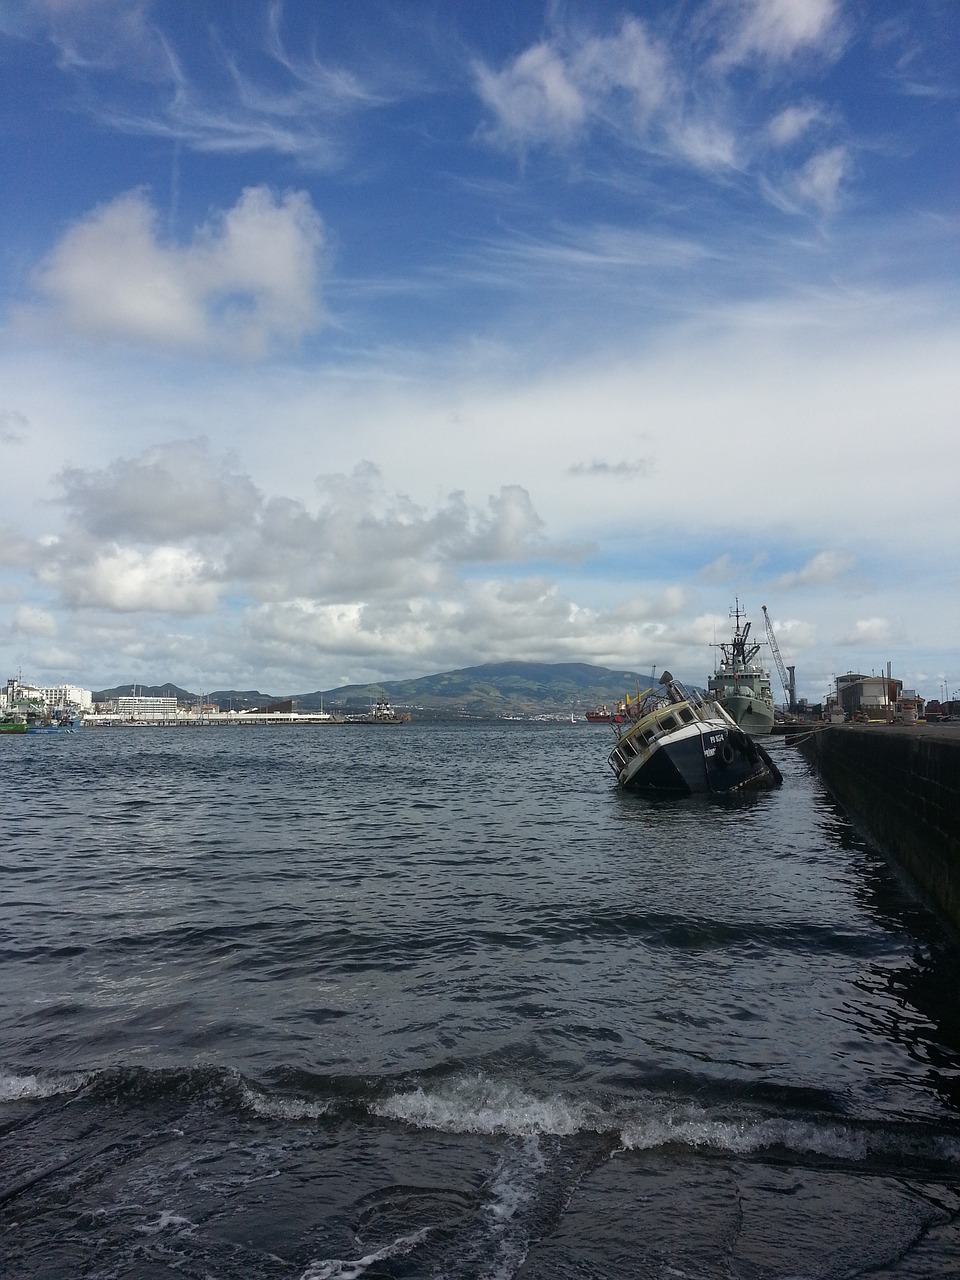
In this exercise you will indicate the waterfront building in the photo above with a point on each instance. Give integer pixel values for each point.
(136, 707)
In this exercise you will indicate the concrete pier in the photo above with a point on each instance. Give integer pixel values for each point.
(901, 785)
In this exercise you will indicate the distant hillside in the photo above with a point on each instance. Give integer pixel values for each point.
(144, 691)
(495, 689)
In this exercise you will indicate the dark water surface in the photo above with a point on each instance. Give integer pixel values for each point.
(344, 1001)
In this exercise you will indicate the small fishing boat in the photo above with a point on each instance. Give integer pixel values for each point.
(12, 724)
(680, 743)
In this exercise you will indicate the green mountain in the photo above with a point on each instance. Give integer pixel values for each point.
(145, 691)
(494, 689)
(484, 692)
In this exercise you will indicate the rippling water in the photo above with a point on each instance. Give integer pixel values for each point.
(441, 1002)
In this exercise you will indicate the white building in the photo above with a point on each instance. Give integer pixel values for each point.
(61, 699)
(68, 697)
(131, 707)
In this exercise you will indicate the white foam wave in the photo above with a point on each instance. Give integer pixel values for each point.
(274, 1108)
(340, 1269)
(692, 1127)
(474, 1104)
(27, 1088)
(166, 1221)
(513, 1188)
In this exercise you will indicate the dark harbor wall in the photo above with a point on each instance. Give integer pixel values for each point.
(901, 785)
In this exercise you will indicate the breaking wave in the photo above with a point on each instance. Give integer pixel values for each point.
(33, 1087)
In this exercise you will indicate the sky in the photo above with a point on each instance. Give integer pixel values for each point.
(343, 343)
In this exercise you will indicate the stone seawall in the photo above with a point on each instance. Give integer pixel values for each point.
(901, 785)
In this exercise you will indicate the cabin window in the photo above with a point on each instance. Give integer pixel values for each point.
(668, 722)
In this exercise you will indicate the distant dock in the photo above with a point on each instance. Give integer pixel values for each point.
(223, 719)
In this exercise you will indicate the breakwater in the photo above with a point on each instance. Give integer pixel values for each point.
(901, 785)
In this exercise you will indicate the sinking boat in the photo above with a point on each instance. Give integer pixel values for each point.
(684, 743)
(740, 684)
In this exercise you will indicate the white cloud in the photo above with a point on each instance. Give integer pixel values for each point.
(778, 29)
(550, 92)
(793, 122)
(794, 636)
(823, 568)
(677, 103)
(99, 35)
(163, 580)
(705, 143)
(820, 179)
(29, 621)
(526, 619)
(248, 280)
(175, 490)
(107, 44)
(867, 632)
(534, 98)
(177, 528)
(630, 64)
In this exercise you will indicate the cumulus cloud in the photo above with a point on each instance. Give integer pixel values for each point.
(365, 542)
(178, 528)
(170, 491)
(248, 280)
(491, 619)
(163, 580)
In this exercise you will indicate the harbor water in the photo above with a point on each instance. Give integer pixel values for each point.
(440, 1001)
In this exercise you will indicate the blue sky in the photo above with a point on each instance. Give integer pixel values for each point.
(353, 342)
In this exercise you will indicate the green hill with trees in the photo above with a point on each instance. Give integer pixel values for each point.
(486, 692)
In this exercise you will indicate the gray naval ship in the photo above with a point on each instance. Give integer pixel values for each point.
(740, 684)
